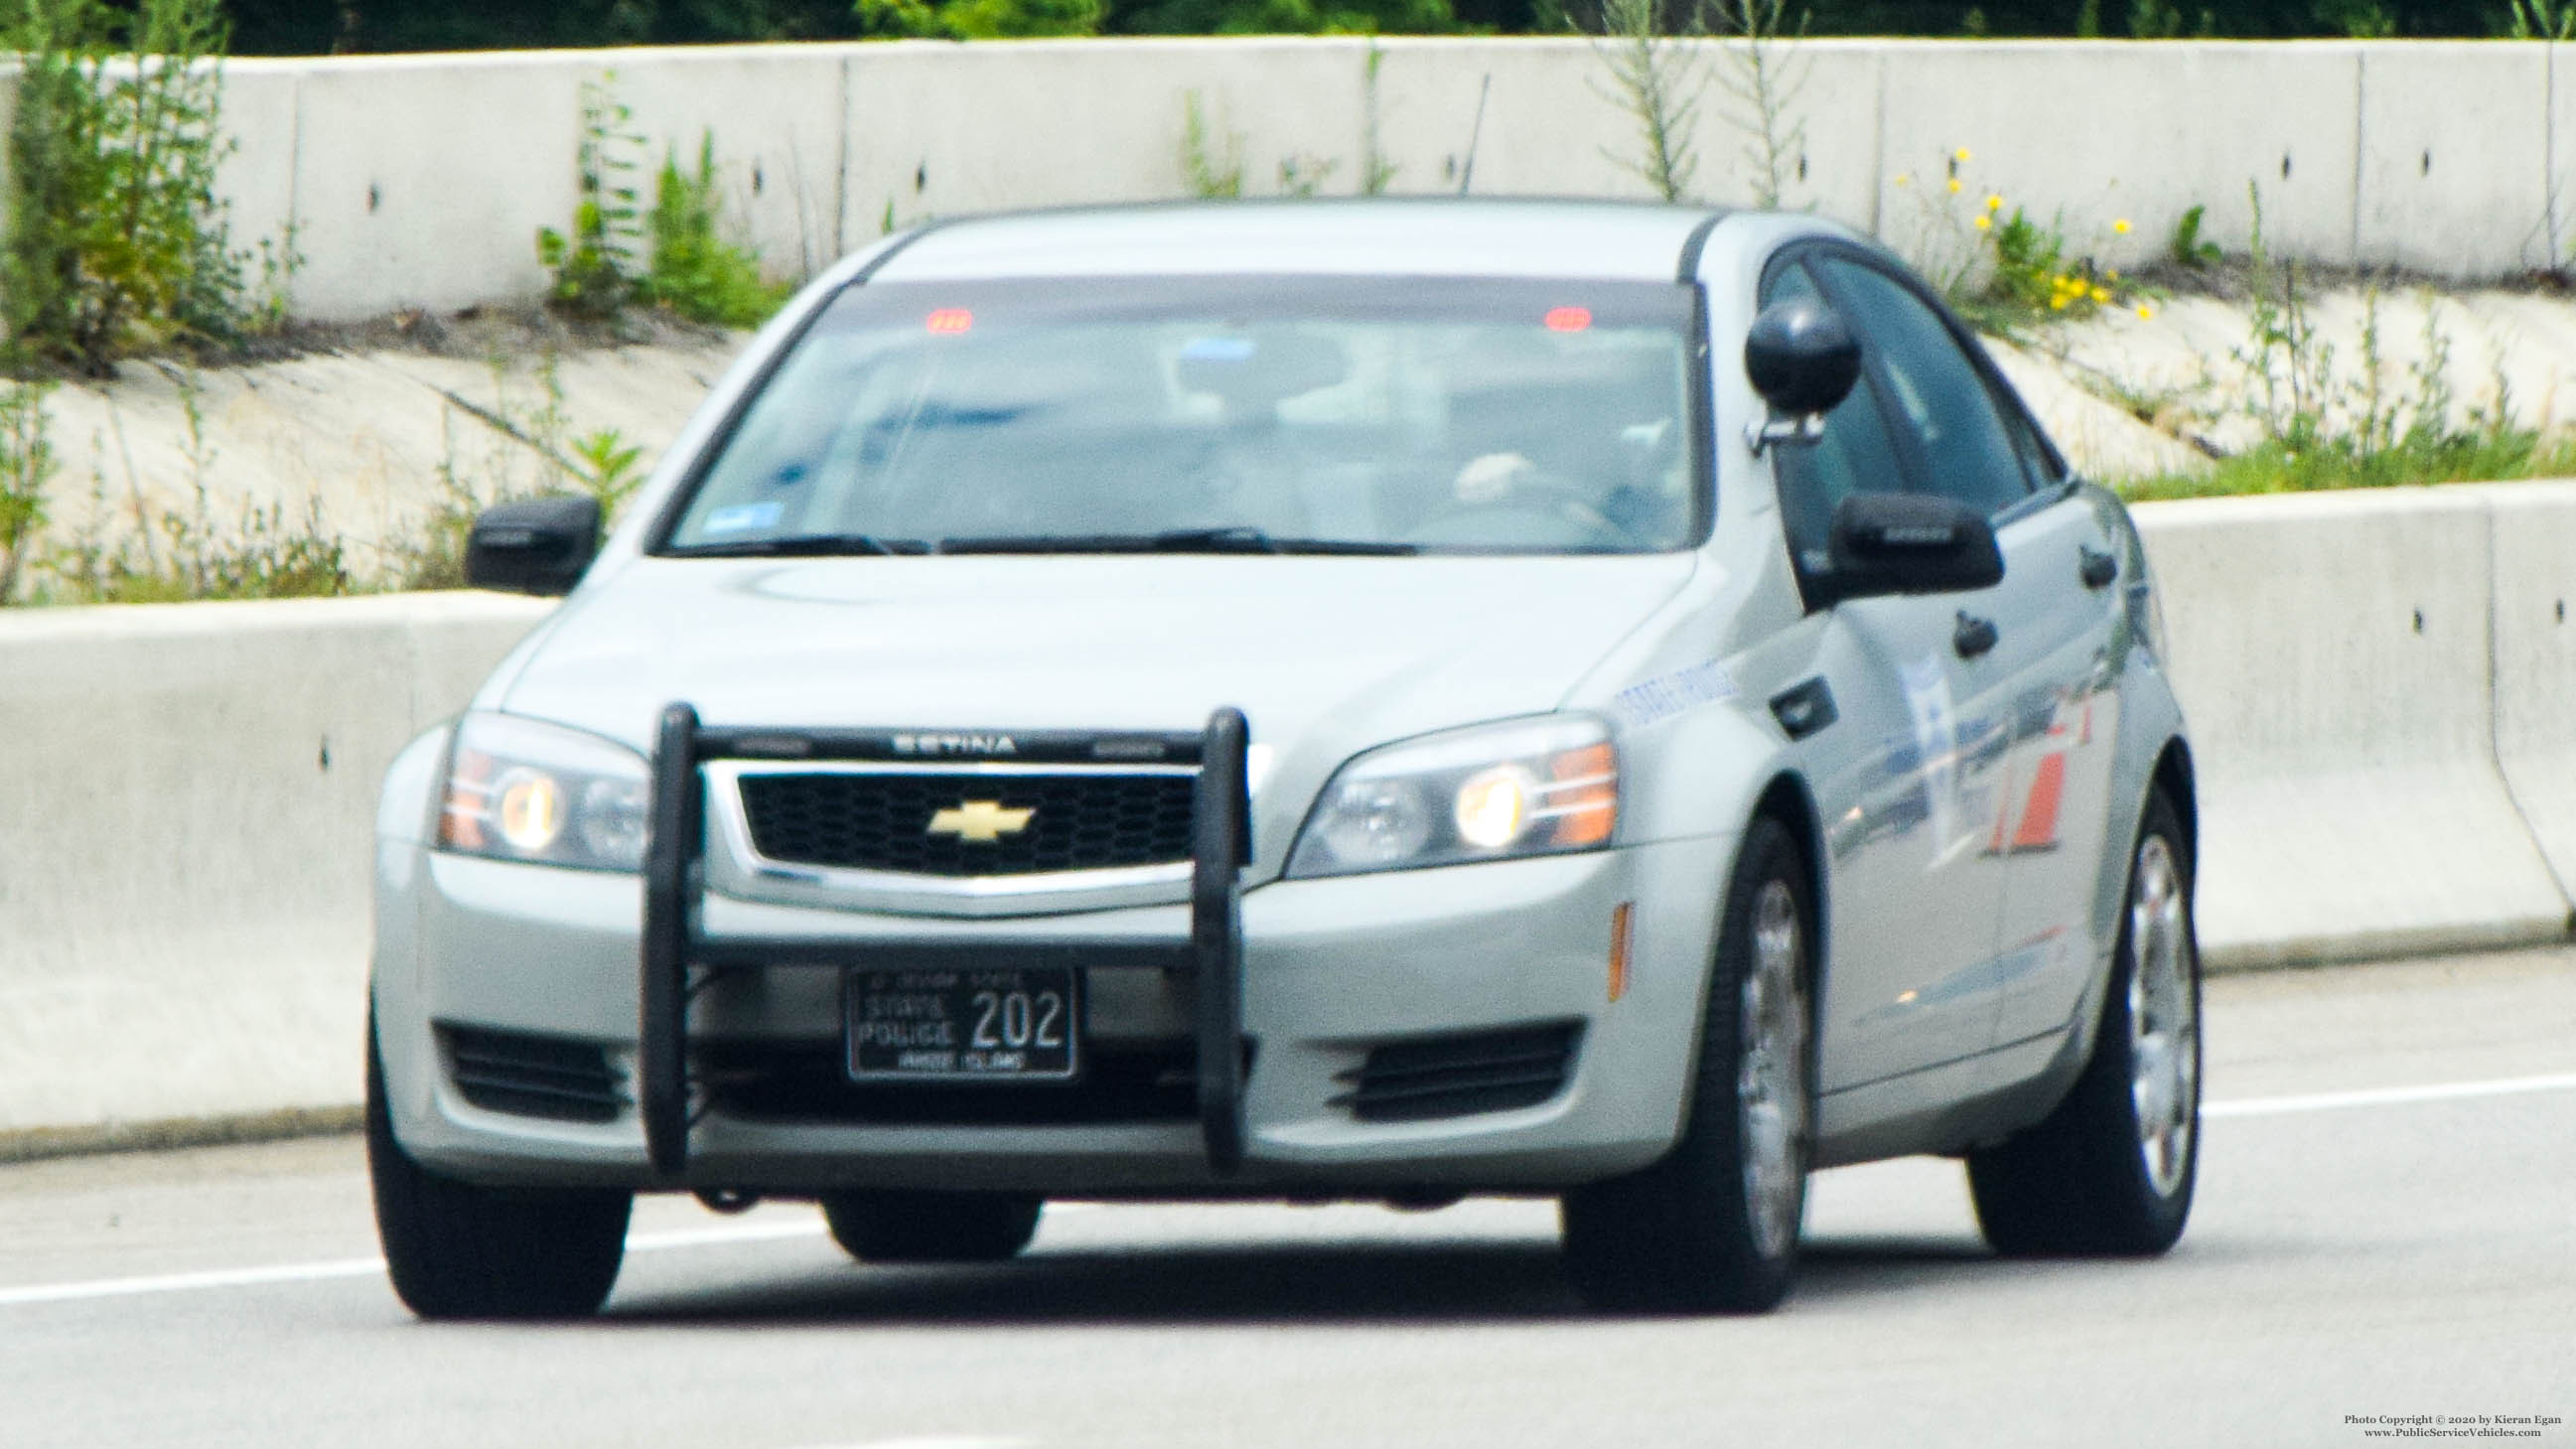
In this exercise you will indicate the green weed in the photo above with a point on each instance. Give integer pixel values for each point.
(26, 466)
(696, 272)
(596, 262)
(1657, 79)
(2185, 248)
(116, 240)
(1210, 176)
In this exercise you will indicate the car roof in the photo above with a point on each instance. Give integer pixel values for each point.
(1410, 236)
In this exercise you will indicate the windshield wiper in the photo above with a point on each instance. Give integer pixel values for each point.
(806, 545)
(1232, 538)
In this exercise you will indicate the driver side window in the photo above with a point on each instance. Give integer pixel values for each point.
(1940, 399)
(1854, 456)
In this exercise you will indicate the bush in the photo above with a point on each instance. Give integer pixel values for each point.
(601, 265)
(116, 241)
(696, 272)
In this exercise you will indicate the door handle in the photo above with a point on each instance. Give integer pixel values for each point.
(1974, 636)
(2097, 568)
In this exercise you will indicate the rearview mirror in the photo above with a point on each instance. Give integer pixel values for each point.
(535, 546)
(1910, 543)
(1803, 360)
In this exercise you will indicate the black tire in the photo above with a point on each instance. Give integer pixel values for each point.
(1683, 1236)
(2088, 1180)
(901, 1226)
(458, 1250)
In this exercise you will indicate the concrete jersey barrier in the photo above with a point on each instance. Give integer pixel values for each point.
(2377, 685)
(184, 875)
(2336, 656)
(421, 180)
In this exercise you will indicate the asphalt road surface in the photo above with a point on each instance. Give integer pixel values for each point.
(2386, 1229)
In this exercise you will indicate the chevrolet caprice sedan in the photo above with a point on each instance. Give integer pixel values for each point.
(1374, 700)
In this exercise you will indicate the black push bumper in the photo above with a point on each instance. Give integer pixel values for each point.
(679, 961)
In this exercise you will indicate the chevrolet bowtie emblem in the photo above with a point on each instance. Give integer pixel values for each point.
(981, 821)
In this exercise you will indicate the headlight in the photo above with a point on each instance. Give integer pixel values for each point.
(520, 790)
(1529, 787)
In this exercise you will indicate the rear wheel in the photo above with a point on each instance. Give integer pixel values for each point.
(1714, 1226)
(459, 1250)
(899, 1226)
(2110, 1172)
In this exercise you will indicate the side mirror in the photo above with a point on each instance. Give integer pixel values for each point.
(536, 546)
(1803, 359)
(1910, 543)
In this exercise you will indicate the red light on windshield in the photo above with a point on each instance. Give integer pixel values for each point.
(1568, 319)
(949, 321)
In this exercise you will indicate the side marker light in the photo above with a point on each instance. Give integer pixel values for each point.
(1623, 920)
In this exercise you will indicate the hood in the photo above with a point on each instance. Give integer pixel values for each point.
(1325, 655)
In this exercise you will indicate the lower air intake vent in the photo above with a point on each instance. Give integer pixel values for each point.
(528, 1075)
(1458, 1076)
(787, 1083)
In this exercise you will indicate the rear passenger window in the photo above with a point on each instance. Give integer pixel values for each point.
(1934, 392)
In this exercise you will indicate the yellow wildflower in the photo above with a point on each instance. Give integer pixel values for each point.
(1955, 186)
(2113, 273)
(1904, 179)
(2100, 295)
(1994, 202)
(1960, 155)
(2121, 226)
(2146, 313)
(1985, 223)
(2057, 303)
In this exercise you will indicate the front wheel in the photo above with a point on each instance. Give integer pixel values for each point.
(2110, 1172)
(1714, 1226)
(458, 1250)
(892, 1226)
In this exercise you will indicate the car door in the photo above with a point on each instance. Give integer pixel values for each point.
(1903, 776)
(2036, 698)
(2067, 725)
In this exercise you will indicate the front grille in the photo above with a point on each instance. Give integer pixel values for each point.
(1457, 1076)
(809, 1083)
(528, 1075)
(1097, 820)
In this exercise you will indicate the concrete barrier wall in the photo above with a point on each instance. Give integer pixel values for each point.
(2535, 663)
(2343, 661)
(184, 879)
(421, 180)
(2377, 684)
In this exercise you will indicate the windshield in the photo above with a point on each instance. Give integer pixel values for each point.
(1218, 414)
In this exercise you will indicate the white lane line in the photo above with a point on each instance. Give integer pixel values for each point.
(2389, 1096)
(781, 1231)
(183, 1282)
(943, 1443)
(368, 1267)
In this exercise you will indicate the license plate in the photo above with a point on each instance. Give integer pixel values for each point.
(1004, 1024)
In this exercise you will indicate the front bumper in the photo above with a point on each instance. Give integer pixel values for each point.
(1332, 971)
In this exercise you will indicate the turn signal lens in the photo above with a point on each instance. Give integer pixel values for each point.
(1583, 796)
